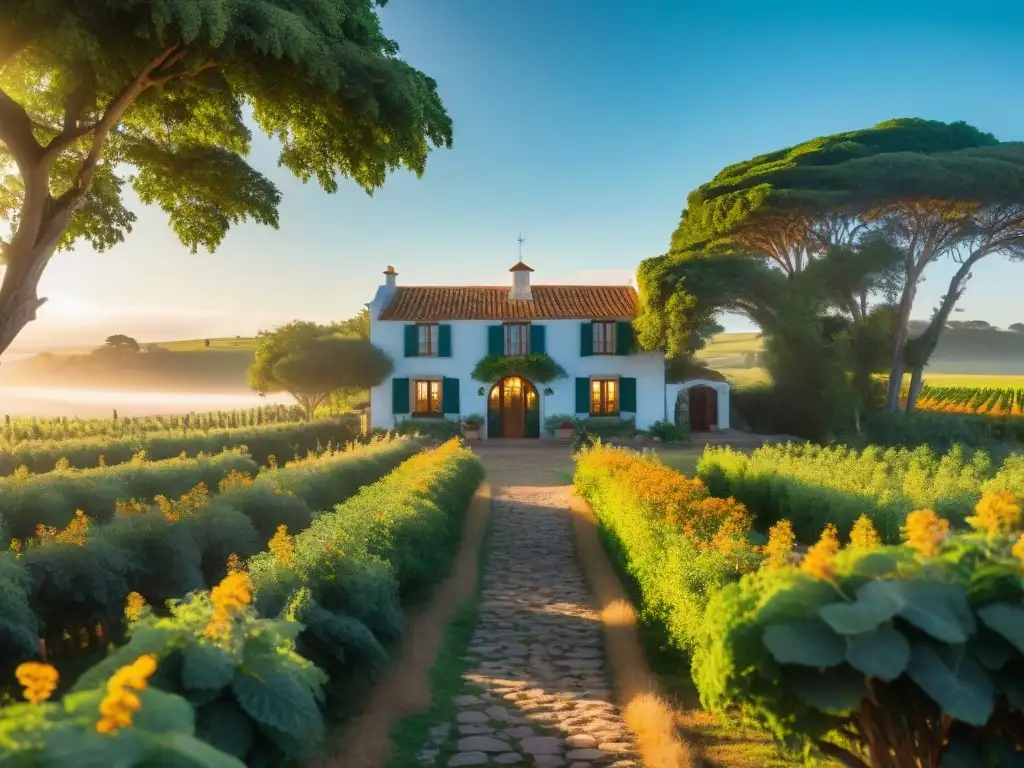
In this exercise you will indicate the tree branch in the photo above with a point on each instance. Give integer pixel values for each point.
(191, 72)
(16, 133)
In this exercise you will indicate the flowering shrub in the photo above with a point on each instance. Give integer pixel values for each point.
(811, 486)
(344, 577)
(887, 656)
(677, 542)
(252, 693)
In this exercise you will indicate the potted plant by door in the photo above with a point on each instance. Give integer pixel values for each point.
(471, 426)
(565, 429)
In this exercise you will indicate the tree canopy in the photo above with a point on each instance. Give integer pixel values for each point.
(310, 361)
(161, 95)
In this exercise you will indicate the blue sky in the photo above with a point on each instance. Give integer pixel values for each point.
(582, 123)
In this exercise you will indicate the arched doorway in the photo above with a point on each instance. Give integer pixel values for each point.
(513, 409)
(703, 408)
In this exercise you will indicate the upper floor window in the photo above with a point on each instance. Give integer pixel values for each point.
(428, 337)
(604, 338)
(517, 338)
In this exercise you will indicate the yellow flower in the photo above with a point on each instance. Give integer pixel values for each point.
(38, 680)
(820, 560)
(229, 598)
(134, 606)
(996, 513)
(234, 563)
(120, 703)
(863, 535)
(235, 479)
(1018, 550)
(282, 546)
(925, 531)
(779, 548)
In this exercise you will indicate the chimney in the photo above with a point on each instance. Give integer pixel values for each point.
(520, 282)
(389, 278)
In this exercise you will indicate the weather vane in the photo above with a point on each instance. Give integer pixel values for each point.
(521, 241)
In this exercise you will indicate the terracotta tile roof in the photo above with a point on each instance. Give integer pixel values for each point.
(549, 302)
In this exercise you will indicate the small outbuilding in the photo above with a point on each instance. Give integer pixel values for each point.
(699, 401)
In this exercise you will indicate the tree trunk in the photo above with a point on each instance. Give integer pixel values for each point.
(916, 380)
(892, 400)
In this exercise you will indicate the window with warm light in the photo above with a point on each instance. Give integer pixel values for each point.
(427, 400)
(604, 397)
(428, 334)
(517, 339)
(604, 338)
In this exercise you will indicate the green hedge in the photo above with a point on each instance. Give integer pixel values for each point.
(282, 441)
(73, 587)
(812, 486)
(351, 569)
(52, 498)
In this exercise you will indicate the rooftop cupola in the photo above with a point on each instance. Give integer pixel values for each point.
(520, 282)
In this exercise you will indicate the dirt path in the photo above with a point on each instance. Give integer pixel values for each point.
(537, 693)
(365, 742)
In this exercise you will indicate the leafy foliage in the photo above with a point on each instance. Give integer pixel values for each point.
(310, 362)
(677, 542)
(904, 656)
(538, 367)
(160, 89)
(812, 486)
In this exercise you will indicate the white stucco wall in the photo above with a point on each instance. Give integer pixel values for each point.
(721, 388)
(469, 344)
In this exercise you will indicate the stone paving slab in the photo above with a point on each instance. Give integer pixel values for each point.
(537, 692)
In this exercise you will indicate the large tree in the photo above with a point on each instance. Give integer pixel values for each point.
(932, 188)
(310, 361)
(94, 95)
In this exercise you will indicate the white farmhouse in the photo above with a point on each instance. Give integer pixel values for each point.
(436, 335)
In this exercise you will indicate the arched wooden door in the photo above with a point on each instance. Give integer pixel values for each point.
(703, 405)
(513, 409)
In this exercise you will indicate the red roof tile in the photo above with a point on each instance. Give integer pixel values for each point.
(549, 302)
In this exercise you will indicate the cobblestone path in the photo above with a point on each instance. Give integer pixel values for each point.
(537, 693)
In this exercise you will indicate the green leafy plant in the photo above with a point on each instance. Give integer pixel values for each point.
(881, 656)
(474, 420)
(668, 431)
(538, 367)
(155, 727)
(254, 697)
(559, 421)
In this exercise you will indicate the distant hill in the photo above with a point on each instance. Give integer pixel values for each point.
(172, 366)
(962, 354)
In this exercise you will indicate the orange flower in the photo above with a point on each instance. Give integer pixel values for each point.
(925, 531)
(229, 598)
(120, 703)
(282, 546)
(779, 548)
(134, 605)
(234, 563)
(235, 479)
(996, 513)
(819, 562)
(38, 680)
(863, 535)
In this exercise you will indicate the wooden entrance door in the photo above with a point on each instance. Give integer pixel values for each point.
(511, 403)
(703, 409)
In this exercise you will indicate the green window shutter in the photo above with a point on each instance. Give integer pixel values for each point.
(586, 341)
(400, 396)
(582, 396)
(627, 395)
(450, 396)
(412, 341)
(623, 338)
(496, 340)
(444, 342)
(537, 334)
